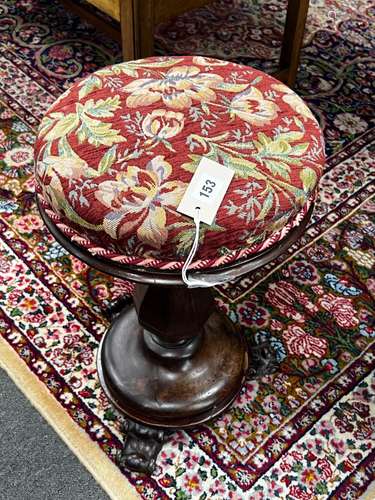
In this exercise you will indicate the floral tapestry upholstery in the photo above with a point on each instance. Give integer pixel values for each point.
(115, 153)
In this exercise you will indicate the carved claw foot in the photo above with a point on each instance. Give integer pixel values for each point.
(263, 360)
(141, 448)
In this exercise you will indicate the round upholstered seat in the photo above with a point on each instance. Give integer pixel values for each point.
(115, 153)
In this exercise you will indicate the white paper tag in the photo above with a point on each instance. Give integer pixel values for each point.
(206, 190)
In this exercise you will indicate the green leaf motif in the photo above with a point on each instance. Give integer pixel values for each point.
(240, 145)
(65, 148)
(267, 205)
(308, 178)
(297, 467)
(278, 167)
(299, 124)
(277, 154)
(63, 127)
(181, 495)
(193, 165)
(110, 415)
(107, 160)
(130, 68)
(16, 312)
(185, 238)
(256, 80)
(203, 474)
(86, 117)
(213, 472)
(89, 85)
(321, 488)
(72, 215)
(104, 108)
(300, 149)
(48, 121)
(231, 87)
(125, 69)
(97, 132)
(180, 471)
(243, 168)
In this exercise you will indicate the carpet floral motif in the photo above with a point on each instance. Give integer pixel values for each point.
(304, 433)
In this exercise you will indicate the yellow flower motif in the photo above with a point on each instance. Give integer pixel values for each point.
(294, 101)
(279, 153)
(272, 146)
(252, 107)
(177, 89)
(137, 201)
(162, 124)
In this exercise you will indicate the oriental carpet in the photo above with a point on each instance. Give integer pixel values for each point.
(306, 432)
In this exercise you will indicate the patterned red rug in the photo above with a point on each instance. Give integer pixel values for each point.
(305, 433)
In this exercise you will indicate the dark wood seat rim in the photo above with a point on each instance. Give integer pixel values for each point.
(138, 274)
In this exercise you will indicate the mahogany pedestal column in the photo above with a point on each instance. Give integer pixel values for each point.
(170, 361)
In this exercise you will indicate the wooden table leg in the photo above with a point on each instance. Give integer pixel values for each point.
(137, 29)
(293, 37)
(128, 30)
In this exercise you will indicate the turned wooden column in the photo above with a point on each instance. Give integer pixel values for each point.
(172, 360)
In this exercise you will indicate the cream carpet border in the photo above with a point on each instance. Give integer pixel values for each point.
(369, 494)
(91, 456)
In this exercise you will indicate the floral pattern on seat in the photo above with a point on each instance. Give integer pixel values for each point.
(115, 153)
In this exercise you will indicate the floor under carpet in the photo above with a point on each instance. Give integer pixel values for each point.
(305, 433)
(37, 465)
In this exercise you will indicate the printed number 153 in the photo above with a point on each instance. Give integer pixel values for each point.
(207, 188)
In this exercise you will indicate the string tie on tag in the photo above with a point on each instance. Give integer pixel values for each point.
(193, 282)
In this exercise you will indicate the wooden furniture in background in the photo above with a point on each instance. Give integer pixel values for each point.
(138, 18)
(292, 41)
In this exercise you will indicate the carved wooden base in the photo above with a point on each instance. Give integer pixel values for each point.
(173, 361)
(143, 443)
(170, 361)
(172, 385)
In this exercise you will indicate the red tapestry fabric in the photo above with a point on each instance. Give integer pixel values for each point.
(115, 154)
